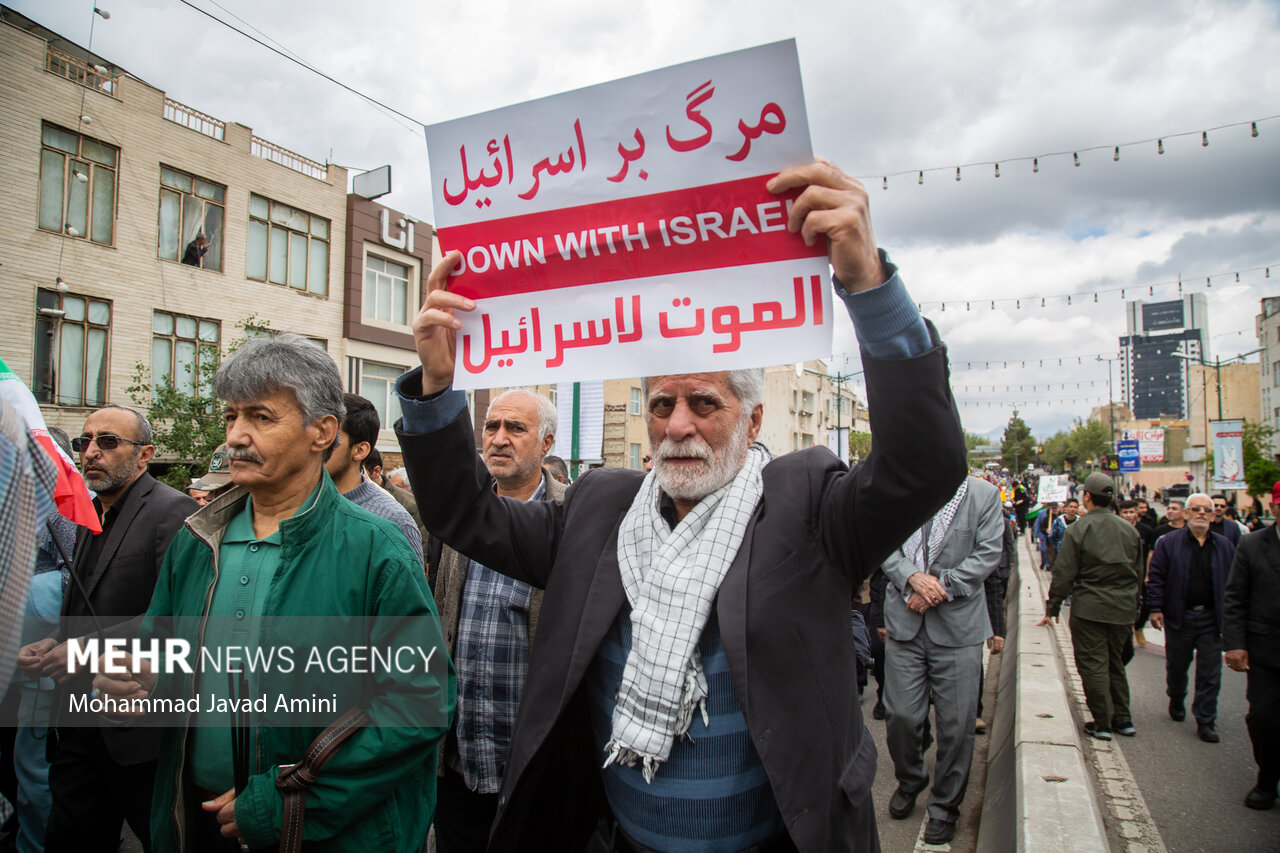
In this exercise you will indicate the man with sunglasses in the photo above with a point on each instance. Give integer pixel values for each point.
(1185, 591)
(102, 775)
(1220, 524)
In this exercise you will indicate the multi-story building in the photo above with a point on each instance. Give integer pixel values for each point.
(108, 184)
(805, 406)
(1154, 378)
(1267, 327)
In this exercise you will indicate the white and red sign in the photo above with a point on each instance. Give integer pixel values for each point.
(1150, 443)
(625, 229)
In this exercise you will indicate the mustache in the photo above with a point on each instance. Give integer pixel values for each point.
(243, 454)
(693, 447)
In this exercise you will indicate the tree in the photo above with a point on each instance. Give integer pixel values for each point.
(859, 445)
(188, 423)
(1090, 440)
(1260, 469)
(1018, 447)
(1057, 450)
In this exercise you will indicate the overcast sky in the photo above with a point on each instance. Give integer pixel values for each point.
(890, 87)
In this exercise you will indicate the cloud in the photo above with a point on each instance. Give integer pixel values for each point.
(889, 88)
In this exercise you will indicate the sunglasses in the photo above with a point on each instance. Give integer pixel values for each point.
(106, 441)
(1199, 509)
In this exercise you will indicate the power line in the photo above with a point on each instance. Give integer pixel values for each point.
(305, 65)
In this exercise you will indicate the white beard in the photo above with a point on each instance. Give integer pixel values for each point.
(694, 483)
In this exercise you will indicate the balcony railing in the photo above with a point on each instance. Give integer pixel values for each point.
(270, 151)
(79, 71)
(180, 113)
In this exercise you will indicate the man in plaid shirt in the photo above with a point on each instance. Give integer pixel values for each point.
(489, 621)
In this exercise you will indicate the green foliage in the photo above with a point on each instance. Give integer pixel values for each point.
(1090, 440)
(1260, 469)
(1057, 450)
(1018, 446)
(187, 424)
(859, 445)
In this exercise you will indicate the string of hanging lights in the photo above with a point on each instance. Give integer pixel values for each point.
(1058, 300)
(1034, 159)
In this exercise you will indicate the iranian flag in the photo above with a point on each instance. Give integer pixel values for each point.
(71, 494)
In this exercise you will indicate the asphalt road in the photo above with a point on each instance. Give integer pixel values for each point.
(1195, 790)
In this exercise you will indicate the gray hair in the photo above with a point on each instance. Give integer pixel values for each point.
(1207, 497)
(747, 385)
(548, 417)
(145, 434)
(263, 366)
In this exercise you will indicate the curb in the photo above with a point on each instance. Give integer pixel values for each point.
(1040, 794)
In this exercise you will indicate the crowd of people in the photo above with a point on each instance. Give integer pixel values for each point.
(1196, 574)
(635, 661)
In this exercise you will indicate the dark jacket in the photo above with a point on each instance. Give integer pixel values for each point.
(783, 607)
(1170, 572)
(337, 559)
(1251, 605)
(119, 586)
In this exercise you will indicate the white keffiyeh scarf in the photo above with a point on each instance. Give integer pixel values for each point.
(671, 577)
(938, 527)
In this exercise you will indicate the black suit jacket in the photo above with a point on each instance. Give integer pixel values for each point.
(1251, 605)
(119, 586)
(783, 607)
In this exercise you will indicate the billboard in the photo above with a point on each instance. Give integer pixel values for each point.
(1162, 315)
(1228, 454)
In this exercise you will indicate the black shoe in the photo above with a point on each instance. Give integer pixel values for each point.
(877, 713)
(1260, 799)
(1207, 733)
(938, 831)
(1092, 730)
(1177, 712)
(1123, 727)
(902, 803)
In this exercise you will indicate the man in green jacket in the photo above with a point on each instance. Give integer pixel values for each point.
(303, 605)
(1099, 564)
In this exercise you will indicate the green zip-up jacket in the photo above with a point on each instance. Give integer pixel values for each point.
(345, 578)
(1099, 564)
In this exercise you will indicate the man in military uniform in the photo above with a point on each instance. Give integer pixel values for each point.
(1100, 565)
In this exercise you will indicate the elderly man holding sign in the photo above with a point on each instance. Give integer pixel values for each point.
(693, 676)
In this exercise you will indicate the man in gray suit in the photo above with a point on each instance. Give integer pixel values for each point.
(936, 615)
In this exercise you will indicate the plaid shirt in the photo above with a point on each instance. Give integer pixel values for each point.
(491, 656)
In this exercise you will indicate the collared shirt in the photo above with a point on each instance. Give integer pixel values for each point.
(246, 567)
(1200, 579)
(491, 656)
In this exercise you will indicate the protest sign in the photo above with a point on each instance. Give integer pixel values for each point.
(1228, 454)
(625, 229)
(1053, 489)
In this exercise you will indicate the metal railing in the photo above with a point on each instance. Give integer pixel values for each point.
(79, 71)
(180, 113)
(276, 154)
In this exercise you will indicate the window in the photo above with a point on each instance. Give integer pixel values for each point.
(288, 246)
(636, 464)
(378, 386)
(77, 185)
(1275, 373)
(182, 349)
(386, 290)
(806, 403)
(71, 349)
(637, 404)
(190, 206)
